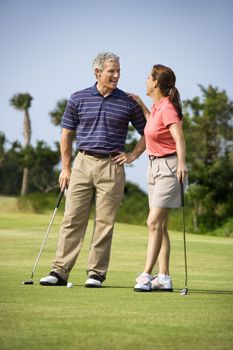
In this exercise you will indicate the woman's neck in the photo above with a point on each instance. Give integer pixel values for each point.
(157, 96)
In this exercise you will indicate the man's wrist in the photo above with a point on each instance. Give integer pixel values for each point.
(66, 168)
(133, 156)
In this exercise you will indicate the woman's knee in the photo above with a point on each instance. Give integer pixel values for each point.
(154, 225)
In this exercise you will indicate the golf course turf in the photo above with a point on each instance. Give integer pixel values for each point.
(113, 317)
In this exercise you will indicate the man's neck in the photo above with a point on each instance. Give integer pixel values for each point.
(103, 90)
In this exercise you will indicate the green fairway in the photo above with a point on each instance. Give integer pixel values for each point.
(114, 317)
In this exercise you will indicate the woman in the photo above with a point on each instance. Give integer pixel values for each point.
(165, 146)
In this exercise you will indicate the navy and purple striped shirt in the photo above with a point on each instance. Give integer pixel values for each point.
(101, 123)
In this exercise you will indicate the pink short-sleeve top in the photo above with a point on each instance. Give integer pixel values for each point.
(159, 141)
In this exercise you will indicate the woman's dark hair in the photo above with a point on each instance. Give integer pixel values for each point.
(166, 81)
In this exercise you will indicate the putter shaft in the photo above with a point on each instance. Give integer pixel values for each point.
(185, 290)
(30, 281)
(185, 252)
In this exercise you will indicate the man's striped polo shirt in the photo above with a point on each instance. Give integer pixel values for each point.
(101, 123)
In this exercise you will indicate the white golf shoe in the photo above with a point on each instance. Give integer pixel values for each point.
(53, 279)
(161, 283)
(143, 282)
(94, 281)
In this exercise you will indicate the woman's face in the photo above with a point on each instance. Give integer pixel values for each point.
(150, 84)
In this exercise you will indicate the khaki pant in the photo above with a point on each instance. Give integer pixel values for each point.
(91, 179)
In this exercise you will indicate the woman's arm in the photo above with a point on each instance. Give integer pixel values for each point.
(178, 136)
(141, 104)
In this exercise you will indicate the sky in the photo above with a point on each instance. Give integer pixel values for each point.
(47, 49)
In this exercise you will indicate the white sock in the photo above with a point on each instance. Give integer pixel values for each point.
(163, 277)
(146, 274)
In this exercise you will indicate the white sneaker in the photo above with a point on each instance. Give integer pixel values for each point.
(143, 282)
(161, 284)
(93, 281)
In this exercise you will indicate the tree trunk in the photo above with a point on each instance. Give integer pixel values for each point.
(24, 188)
(27, 139)
(27, 131)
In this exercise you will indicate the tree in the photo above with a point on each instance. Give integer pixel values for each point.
(10, 166)
(2, 151)
(41, 160)
(43, 176)
(57, 113)
(208, 127)
(22, 102)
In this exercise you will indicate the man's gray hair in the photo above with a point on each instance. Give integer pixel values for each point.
(103, 57)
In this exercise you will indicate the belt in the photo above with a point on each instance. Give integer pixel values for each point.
(165, 156)
(99, 155)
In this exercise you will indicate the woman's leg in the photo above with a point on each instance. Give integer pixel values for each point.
(164, 254)
(155, 222)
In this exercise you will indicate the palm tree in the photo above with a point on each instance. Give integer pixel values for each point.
(57, 113)
(22, 102)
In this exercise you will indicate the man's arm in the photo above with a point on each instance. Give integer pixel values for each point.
(66, 157)
(130, 157)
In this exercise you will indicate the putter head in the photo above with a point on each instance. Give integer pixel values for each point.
(184, 291)
(28, 282)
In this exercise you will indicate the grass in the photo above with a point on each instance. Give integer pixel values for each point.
(113, 317)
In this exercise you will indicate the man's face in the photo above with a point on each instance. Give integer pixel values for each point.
(109, 76)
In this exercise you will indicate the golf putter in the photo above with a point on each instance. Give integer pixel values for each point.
(184, 291)
(30, 281)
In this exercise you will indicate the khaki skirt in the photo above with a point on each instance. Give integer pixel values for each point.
(163, 185)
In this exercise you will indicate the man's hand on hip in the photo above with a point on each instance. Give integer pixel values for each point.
(123, 158)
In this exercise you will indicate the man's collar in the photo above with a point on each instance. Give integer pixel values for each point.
(96, 92)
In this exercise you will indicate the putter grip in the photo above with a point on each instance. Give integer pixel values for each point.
(182, 193)
(59, 199)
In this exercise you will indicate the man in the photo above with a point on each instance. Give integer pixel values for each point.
(99, 115)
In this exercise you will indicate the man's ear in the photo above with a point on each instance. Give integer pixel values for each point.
(97, 72)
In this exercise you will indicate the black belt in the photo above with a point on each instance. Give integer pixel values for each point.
(165, 156)
(98, 155)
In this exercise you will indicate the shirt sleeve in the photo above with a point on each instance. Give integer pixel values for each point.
(170, 116)
(138, 119)
(70, 117)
